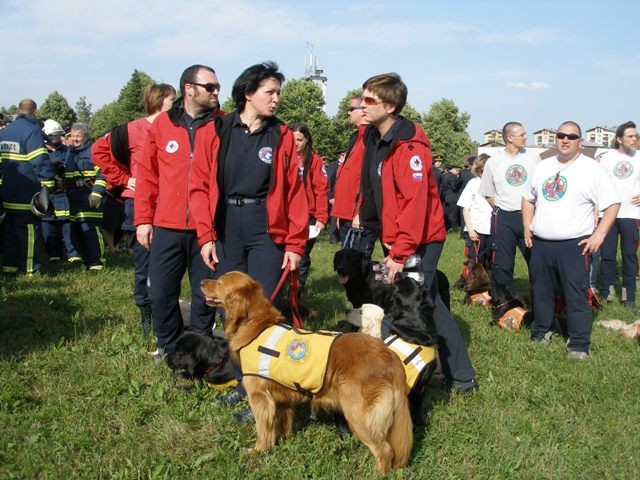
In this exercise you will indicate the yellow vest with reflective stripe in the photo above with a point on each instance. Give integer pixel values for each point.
(414, 358)
(294, 358)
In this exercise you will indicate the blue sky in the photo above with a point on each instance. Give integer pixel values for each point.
(536, 62)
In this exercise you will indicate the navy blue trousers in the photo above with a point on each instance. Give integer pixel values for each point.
(173, 252)
(245, 245)
(59, 238)
(140, 258)
(507, 233)
(22, 243)
(627, 230)
(559, 266)
(452, 349)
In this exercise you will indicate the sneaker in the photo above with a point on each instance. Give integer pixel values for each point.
(544, 341)
(158, 356)
(230, 399)
(96, 268)
(245, 416)
(74, 259)
(55, 259)
(629, 304)
(465, 387)
(575, 355)
(611, 294)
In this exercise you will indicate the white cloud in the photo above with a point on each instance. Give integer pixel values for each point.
(532, 37)
(531, 85)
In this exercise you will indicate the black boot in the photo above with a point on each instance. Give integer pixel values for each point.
(146, 320)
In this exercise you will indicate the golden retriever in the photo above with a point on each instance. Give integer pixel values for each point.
(363, 379)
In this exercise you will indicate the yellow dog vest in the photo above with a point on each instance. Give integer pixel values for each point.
(512, 319)
(294, 358)
(414, 358)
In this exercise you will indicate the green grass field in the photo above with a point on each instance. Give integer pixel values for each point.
(79, 397)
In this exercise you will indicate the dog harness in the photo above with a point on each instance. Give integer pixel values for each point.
(483, 299)
(294, 358)
(414, 358)
(512, 319)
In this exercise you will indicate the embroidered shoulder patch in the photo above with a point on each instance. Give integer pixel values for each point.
(415, 163)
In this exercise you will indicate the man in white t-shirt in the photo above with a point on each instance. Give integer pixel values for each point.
(558, 215)
(624, 171)
(505, 178)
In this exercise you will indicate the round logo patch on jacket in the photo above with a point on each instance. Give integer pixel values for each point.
(266, 155)
(416, 163)
(172, 146)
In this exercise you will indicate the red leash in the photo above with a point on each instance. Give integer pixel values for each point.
(294, 287)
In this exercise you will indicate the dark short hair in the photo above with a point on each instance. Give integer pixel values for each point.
(571, 122)
(189, 75)
(507, 129)
(251, 78)
(390, 88)
(154, 95)
(620, 132)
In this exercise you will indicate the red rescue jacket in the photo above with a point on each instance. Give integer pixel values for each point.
(287, 210)
(346, 198)
(317, 189)
(412, 213)
(164, 170)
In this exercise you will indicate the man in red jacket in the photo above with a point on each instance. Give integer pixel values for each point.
(162, 214)
(399, 193)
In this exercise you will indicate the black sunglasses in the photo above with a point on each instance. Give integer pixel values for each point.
(570, 136)
(351, 109)
(209, 87)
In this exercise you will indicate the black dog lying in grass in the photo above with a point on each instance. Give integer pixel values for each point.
(507, 311)
(202, 357)
(355, 273)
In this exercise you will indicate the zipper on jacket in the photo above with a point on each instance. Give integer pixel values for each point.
(188, 181)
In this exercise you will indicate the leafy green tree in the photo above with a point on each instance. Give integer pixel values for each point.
(447, 126)
(128, 106)
(342, 126)
(83, 110)
(301, 100)
(411, 113)
(228, 106)
(55, 106)
(103, 120)
(130, 100)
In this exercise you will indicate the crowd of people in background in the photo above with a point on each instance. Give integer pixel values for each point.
(190, 188)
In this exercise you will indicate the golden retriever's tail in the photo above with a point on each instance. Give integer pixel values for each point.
(401, 432)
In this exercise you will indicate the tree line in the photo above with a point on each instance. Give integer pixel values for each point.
(301, 100)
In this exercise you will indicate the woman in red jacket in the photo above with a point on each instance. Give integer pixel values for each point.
(312, 170)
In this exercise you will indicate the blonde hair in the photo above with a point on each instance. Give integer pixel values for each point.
(478, 164)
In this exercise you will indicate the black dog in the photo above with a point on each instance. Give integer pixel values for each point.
(355, 273)
(502, 302)
(202, 357)
(411, 312)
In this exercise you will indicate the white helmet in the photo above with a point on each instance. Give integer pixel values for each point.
(51, 127)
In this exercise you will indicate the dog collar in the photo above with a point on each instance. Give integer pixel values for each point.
(216, 365)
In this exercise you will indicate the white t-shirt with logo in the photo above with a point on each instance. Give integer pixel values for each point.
(479, 208)
(624, 172)
(505, 177)
(565, 197)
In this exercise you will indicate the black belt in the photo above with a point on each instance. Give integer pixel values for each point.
(242, 201)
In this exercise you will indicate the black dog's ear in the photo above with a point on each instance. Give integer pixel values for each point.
(366, 265)
(426, 299)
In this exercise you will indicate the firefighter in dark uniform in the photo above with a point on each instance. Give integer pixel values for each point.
(85, 188)
(56, 229)
(26, 168)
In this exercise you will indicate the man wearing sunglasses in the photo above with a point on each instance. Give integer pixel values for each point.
(622, 167)
(558, 209)
(164, 220)
(504, 180)
(399, 193)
